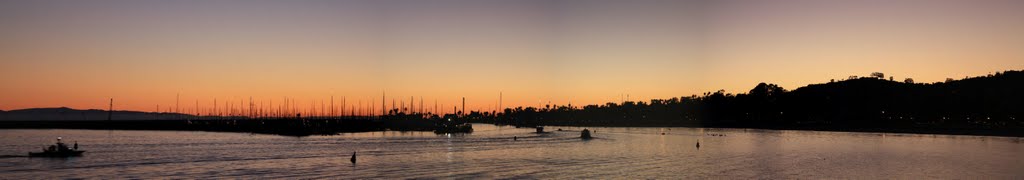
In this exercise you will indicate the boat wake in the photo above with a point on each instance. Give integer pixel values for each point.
(13, 156)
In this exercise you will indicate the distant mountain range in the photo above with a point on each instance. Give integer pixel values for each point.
(68, 114)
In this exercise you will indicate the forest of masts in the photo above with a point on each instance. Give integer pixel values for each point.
(331, 108)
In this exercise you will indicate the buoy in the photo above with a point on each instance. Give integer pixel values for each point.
(353, 157)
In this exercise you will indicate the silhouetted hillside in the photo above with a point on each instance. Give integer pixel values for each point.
(987, 103)
(990, 101)
(68, 114)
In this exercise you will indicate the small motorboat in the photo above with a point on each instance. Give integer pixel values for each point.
(453, 128)
(452, 125)
(585, 134)
(58, 150)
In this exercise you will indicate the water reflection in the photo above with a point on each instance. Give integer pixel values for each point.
(490, 153)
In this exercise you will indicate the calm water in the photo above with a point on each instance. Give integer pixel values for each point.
(490, 152)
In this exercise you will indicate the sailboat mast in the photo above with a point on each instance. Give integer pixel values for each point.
(177, 100)
(110, 113)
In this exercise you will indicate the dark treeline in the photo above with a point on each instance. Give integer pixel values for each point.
(991, 104)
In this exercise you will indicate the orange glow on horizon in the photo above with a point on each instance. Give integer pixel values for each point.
(143, 54)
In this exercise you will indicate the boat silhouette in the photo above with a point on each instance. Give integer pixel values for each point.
(58, 150)
(585, 134)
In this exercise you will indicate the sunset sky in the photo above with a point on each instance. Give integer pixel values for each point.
(80, 53)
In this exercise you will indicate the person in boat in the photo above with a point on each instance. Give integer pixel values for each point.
(60, 146)
(585, 134)
(353, 159)
(76, 145)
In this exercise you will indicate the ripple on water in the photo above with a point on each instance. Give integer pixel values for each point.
(628, 153)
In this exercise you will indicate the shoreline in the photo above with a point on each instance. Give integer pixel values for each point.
(292, 127)
(959, 132)
(1004, 132)
(283, 127)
